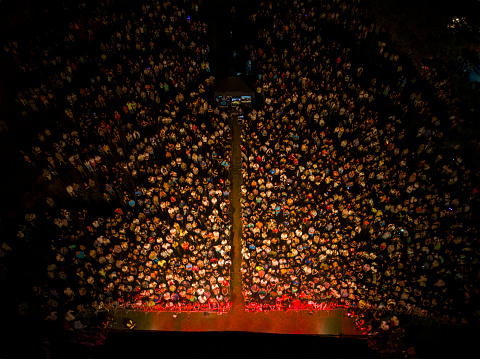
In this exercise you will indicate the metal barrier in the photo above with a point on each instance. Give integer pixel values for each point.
(310, 306)
(177, 307)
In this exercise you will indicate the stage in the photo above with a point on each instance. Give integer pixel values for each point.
(322, 322)
(237, 334)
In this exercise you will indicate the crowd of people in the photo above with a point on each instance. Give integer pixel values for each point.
(350, 194)
(143, 160)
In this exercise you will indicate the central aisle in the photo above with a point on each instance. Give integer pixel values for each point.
(238, 302)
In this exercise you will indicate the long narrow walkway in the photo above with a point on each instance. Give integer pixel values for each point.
(236, 174)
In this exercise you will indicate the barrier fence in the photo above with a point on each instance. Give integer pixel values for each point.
(216, 307)
(297, 306)
(177, 307)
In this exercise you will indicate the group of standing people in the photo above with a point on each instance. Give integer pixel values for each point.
(350, 194)
(142, 159)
